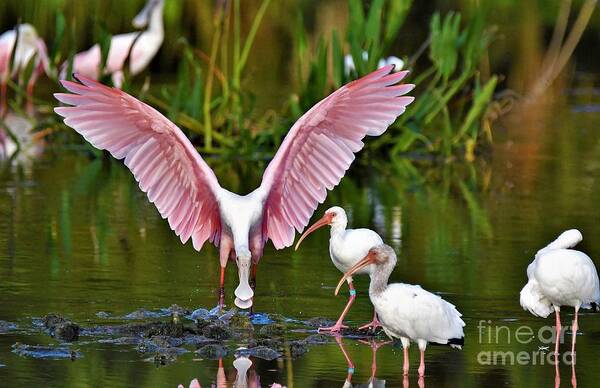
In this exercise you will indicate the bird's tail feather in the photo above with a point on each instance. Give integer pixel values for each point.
(533, 301)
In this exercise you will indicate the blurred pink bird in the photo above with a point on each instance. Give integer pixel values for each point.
(313, 158)
(29, 47)
(145, 46)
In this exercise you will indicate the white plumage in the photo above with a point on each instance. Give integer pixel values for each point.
(410, 312)
(559, 276)
(406, 311)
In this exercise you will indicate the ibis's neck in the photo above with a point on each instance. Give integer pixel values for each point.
(379, 278)
(338, 228)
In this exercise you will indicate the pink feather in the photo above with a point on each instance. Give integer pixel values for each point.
(320, 147)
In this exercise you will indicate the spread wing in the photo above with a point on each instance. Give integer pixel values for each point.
(320, 147)
(162, 160)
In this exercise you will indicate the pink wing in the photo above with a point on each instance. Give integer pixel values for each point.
(320, 147)
(161, 158)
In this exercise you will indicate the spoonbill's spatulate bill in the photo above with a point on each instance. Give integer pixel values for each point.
(313, 157)
(346, 248)
(406, 311)
(28, 47)
(559, 276)
(143, 46)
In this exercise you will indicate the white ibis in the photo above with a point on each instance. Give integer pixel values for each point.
(28, 47)
(141, 47)
(312, 159)
(346, 248)
(559, 276)
(407, 311)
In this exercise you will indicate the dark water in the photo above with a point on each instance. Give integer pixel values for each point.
(78, 237)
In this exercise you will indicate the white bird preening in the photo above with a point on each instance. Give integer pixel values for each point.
(559, 276)
(142, 46)
(406, 311)
(346, 248)
(312, 159)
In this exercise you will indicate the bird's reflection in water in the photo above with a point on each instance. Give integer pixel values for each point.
(244, 376)
(557, 371)
(373, 381)
(17, 141)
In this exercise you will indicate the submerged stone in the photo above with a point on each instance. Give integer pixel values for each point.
(317, 339)
(272, 330)
(212, 352)
(319, 322)
(297, 348)
(143, 314)
(217, 331)
(263, 352)
(45, 352)
(241, 322)
(61, 328)
(7, 326)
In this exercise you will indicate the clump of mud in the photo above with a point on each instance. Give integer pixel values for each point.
(61, 328)
(45, 352)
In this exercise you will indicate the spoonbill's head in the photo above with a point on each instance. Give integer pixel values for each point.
(381, 256)
(143, 18)
(334, 216)
(243, 292)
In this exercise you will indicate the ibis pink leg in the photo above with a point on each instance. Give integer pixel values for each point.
(374, 324)
(339, 325)
(422, 364)
(573, 354)
(406, 364)
(558, 332)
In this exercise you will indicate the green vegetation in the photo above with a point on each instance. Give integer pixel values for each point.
(210, 98)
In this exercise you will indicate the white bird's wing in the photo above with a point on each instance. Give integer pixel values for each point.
(423, 315)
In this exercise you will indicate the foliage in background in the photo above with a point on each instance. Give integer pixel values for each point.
(210, 98)
(448, 114)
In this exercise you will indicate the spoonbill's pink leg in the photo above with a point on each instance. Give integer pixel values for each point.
(374, 324)
(339, 324)
(573, 340)
(338, 339)
(405, 382)
(556, 372)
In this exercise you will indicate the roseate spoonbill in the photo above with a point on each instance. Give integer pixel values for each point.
(145, 46)
(313, 157)
(346, 248)
(406, 311)
(29, 47)
(559, 276)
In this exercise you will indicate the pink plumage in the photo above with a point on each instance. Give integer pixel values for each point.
(312, 159)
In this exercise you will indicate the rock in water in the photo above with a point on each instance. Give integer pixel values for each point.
(61, 328)
(212, 352)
